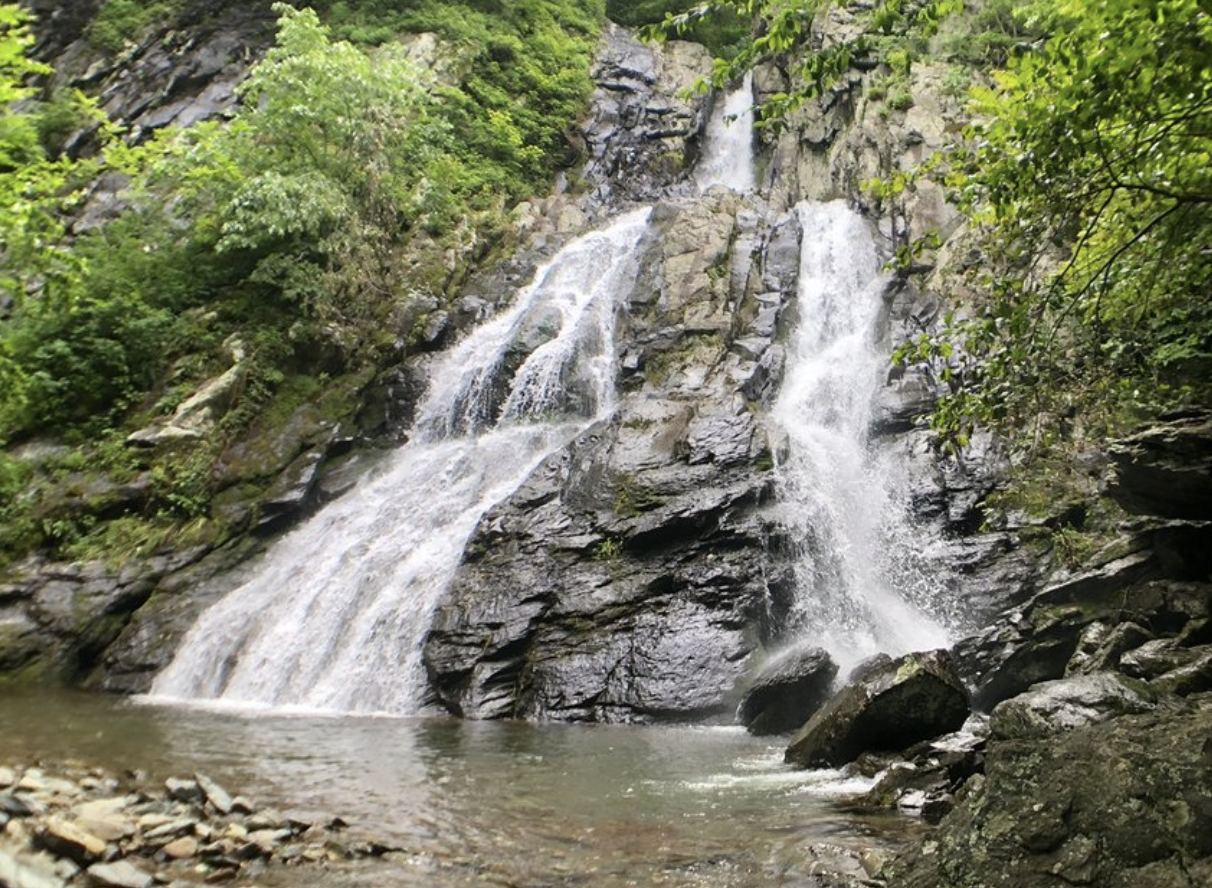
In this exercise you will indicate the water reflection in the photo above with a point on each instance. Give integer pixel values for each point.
(475, 803)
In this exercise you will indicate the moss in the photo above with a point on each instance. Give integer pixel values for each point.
(693, 349)
(119, 22)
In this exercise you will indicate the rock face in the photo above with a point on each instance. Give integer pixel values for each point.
(1117, 805)
(1162, 577)
(1166, 470)
(892, 707)
(641, 130)
(787, 691)
(1054, 707)
(183, 71)
(627, 580)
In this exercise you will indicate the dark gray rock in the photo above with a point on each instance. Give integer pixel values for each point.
(1054, 707)
(1166, 470)
(911, 699)
(627, 579)
(787, 691)
(1036, 641)
(640, 131)
(1120, 804)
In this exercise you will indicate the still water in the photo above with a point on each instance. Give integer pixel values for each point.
(487, 803)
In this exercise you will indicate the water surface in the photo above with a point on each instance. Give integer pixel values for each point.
(487, 803)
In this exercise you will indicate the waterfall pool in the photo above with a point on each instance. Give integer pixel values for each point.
(488, 803)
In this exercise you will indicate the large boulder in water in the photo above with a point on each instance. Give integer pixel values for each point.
(913, 698)
(788, 690)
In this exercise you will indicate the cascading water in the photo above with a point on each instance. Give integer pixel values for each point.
(335, 618)
(728, 145)
(864, 585)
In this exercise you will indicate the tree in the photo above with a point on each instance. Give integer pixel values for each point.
(1089, 174)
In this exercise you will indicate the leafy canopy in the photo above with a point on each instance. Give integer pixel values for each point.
(1089, 173)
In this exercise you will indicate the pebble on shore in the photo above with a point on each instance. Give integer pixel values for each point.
(88, 828)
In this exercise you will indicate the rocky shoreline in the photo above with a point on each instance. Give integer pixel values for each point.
(73, 826)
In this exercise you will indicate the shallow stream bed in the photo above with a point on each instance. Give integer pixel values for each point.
(488, 803)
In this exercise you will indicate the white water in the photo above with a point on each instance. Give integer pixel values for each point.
(728, 147)
(336, 616)
(863, 583)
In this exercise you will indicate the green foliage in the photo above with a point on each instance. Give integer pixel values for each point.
(887, 31)
(119, 22)
(521, 77)
(296, 227)
(1090, 177)
(724, 33)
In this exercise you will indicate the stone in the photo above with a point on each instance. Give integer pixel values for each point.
(1055, 707)
(108, 829)
(787, 691)
(14, 805)
(7, 777)
(184, 790)
(1155, 658)
(1101, 646)
(120, 874)
(1193, 678)
(268, 840)
(215, 794)
(913, 698)
(19, 870)
(182, 848)
(61, 837)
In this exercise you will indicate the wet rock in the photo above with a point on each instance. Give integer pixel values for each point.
(914, 698)
(61, 837)
(215, 794)
(183, 790)
(121, 874)
(787, 691)
(1166, 470)
(1054, 707)
(639, 134)
(626, 579)
(1119, 804)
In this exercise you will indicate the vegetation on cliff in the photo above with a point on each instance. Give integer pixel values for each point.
(302, 240)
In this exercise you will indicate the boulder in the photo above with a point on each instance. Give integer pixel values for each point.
(913, 698)
(787, 691)
(1120, 804)
(1054, 707)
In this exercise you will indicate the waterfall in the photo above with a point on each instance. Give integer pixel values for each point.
(864, 582)
(727, 157)
(335, 617)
